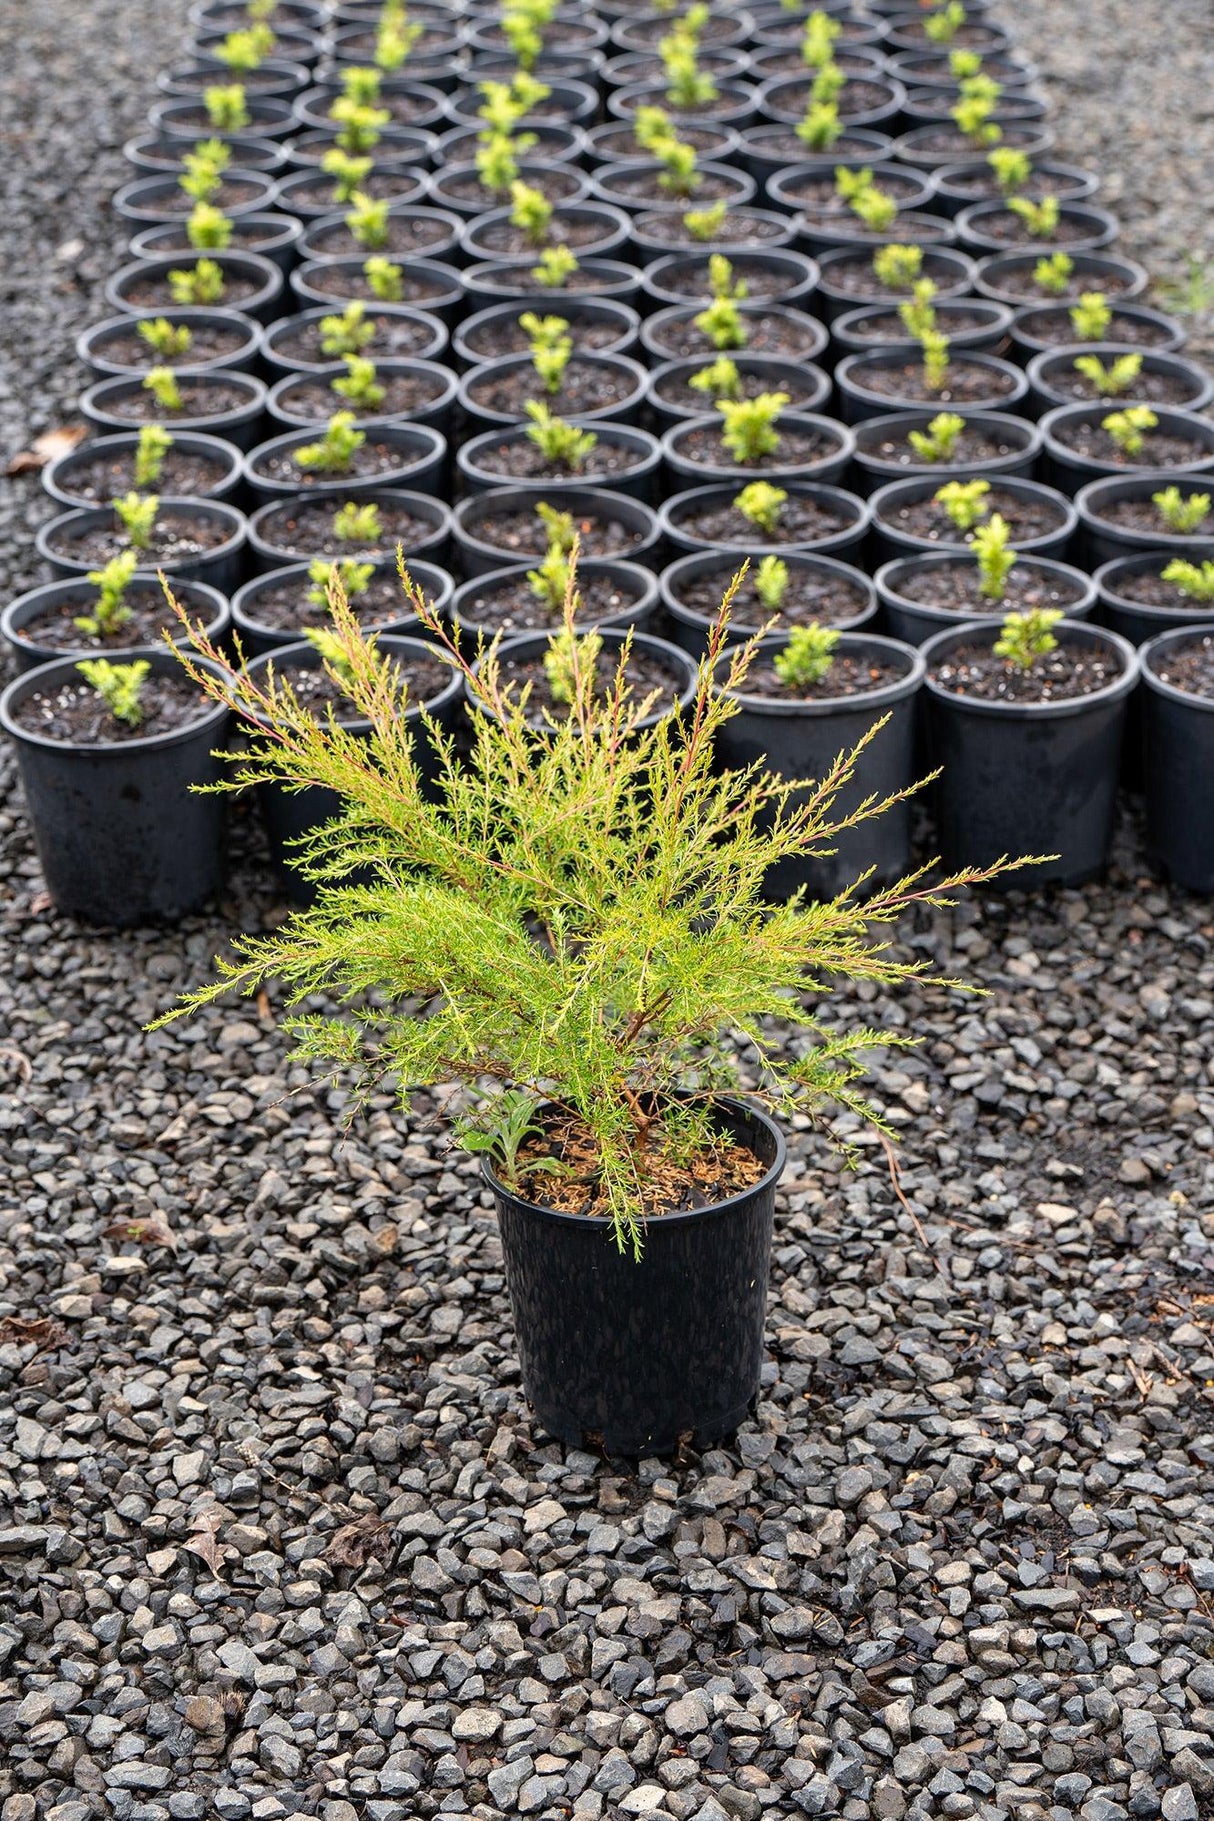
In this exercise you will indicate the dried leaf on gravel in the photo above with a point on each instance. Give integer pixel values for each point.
(354, 1544)
(47, 448)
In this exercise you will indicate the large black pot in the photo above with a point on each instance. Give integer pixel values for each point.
(630, 1358)
(474, 555)
(1178, 745)
(23, 621)
(1058, 586)
(689, 626)
(1104, 539)
(637, 451)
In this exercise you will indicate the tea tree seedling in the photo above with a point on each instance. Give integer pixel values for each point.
(771, 583)
(1194, 583)
(1025, 637)
(876, 208)
(496, 161)
(762, 504)
(1012, 169)
(120, 686)
(972, 116)
(136, 513)
(555, 267)
(828, 84)
(807, 658)
(353, 577)
(819, 126)
(347, 171)
(226, 106)
(506, 103)
(652, 126)
(721, 280)
(560, 443)
(201, 173)
(167, 340)
(963, 64)
(387, 280)
(964, 502)
(897, 267)
(153, 445)
(550, 344)
(335, 451)
(706, 224)
(818, 41)
(367, 221)
(208, 229)
(991, 544)
(348, 333)
(1040, 218)
(1113, 380)
(524, 38)
(559, 526)
(567, 661)
(687, 85)
(360, 386)
(939, 441)
(678, 176)
(530, 212)
(110, 611)
(1128, 428)
(332, 653)
(395, 40)
(749, 427)
(355, 523)
(943, 25)
(201, 283)
(1179, 513)
(935, 359)
(359, 128)
(721, 380)
(723, 323)
(161, 382)
(1052, 273)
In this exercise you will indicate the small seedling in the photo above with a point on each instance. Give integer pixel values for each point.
(1012, 168)
(1111, 381)
(942, 26)
(359, 128)
(530, 212)
(771, 583)
(513, 1123)
(721, 280)
(938, 442)
(226, 106)
(723, 323)
(558, 525)
(355, 523)
(367, 221)
(332, 654)
(169, 341)
(687, 85)
(678, 176)
(335, 451)
(720, 380)
(1194, 583)
(568, 661)
(386, 279)
(652, 126)
(1091, 316)
(1025, 637)
(897, 267)
(808, 656)
(161, 382)
(551, 346)
(549, 580)
(208, 229)
(119, 686)
(1179, 513)
(991, 544)
(972, 116)
(353, 577)
(917, 313)
(153, 445)
(1052, 273)
(245, 51)
(1040, 218)
(202, 173)
(935, 359)
(362, 85)
(560, 443)
(761, 503)
(201, 283)
(876, 208)
(1128, 428)
(964, 502)
(347, 172)
(506, 103)
(555, 267)
(395, 39)
(749, 427)
(706, 224)
(818, 41)
(360, 386)
(136, 513)
(819, 126)
(110, 610)
(828, 84)
(348, 333)
(497, 163)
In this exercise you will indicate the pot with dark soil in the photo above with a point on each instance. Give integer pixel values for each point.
(1124, 514)
(812, 696)
(1025, 720)
(970, 324)
(629, 68)
(596, 326)
(396, 231)
(590, 230)
(957, 186)
(900, 377)
(308, 526)
(732, 232)
(554, 280)
(266, 117)
(943, 444)
(284, 605)
(555, 143)
(1081, 443)
(526, 598)
(149, 200)
(1093, 318)
(275, 77)
(825, 232)
(512, 524)
(914, 517)
(923, 595)
(1059, 277)
(780, 276)
(229, 406)
(1103, 372)
(105, 614)
(1154, 591)
(937, 144)
(110, 759)
(417, 391)
(909, 31)
(346, 458)
(783, 591)
(732, 105)
(198, 540)
(313, 196)
(759, 519)
(587, 386)
(426, 284)
(397, 147)
(190, 339)
(750, 437)
(849, 277)
(272, 236)
(1046, 226)
(868, 101)
(684, 331)
(832, 194)
(200, 467)
(935, 69)
(465, 193)
(679, 389)
(157, 155)
(616, 142)
(1177, 697)
(551, 450)
(406, 102)
(238, 281)
(314, 339)
(644, 184)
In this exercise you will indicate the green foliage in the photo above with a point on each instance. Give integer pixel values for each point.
(935, 358)
(110, 610)
(497, 163)
(358, 523)
(762, 504)
(530, 212)
(560, 443)
(721, 280)
(341, 336)
(917, 312)
(569, 661)
(1192, 295)
(897, 267)
(165, 339)
(1012, 168)
(367, 221)
(723, 324)
(332, 653)
(1195, 582)
(687, 85)
(1025, 637)
(347, 172)
(202, 170)
(808, 656)
(1177, 512)
(555, 267)
(1111, 381)
(335, 451)
(136, 513)
(208, 229)
(1052, 273)
(245, 51)
(578, 909)
(678, 176)
(964, 502)
(506, 103)
(201, 283)
(991, 544)
(353, 578)
(1128, 428)
(550, 582)
(507, 1122)
(161, 382)
(876, 208)
(706, 224)
(972, 112)
(818, 41)
(524, 39)
(386, 279)
(1040, 218)
(652, 126)
(153, 445)
(360, 386)
(828, 84)
(395, 38)
(1091, 316)
(938, 441)
(962, 64)
(943, 25)
(819, 126)
(120, 686)
(771, 583)
(720, 380)
(359, 128)
(362, 85)
(550, 345)
(226, 106)
(562, 532)
(749, 425)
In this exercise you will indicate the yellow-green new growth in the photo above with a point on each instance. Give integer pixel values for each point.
(1177, 512)
(1012, 168)
(941, 27)
(226, 107)
(530, 212)
(367, 221)
(808, 656)
(136, 513)
(818, 40)
(1040, 218)
(560, 443)
(341, 336)
(1128, 428)
(762, 504)
(991, 545)
(723, 324)
(362, 85)
(167, 340)
(1193, 582)
(356, 523)
(819, 126)
(201, 283)
(555, 267)
(939, 440)
(347, 171)
(706, 224)
(1025, 637)
(749, 425)
(335, 451)
(386, 279)
(559, 525)
(964, 502)
(568, 662)
(202, 170)
(897, 267)
(1090, 316)
(351, 576)
(332, 653)
(245, 51)
(1113, 380)
(721, 380)
(771, 583)
(551, 346)
(359, 128)
(1052, 273)
(153, 445)
(722, 283)
(110, 609)
(208, 229)
(120, 686)
(161, 382)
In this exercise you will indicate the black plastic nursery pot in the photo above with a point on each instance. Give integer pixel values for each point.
(122, 838)
(673, 399)
(252, 284)
(614, 595)
(589, 228)
(409, 103)
(777, 276)
(228, 406)
(940, 143)
(1008, 278)
(1040, 326)
(219, 339)
(524, 653)
(300, 528)
(627, 461)
(262, 625)
(783, 330)
(1118, 517)
(824, 590)
(156, 155)
(905, 525)
(1178, 745)
(416, 392)
(734, 105)
(513, 281)
(615, 142)
(407, 455)
(1135, 601)
(412, 233)
(312, 197)
(847, 280)
(658, 232)
(811, 449)
(198, 540)
(1028, 777)
(274, 237)
(555, 143)
(609, 524)
(426, 284)
(815, 516)
(993, 442)
(969, 181)
(498, 391)
(104, 469)
(991, 227)
(397, 147)
(634, 184)
(766, 150)
(294, 344)
(187, 80)
(1163, 379)
(976, 382)
(1076, 449)
(40, 627)
(629, 1358)
(187, 119)
(1036, 581)
(597, 326)
(802, 739)
(971, 324)
(153, 199)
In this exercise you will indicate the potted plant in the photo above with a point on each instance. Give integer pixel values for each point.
(869, 384)
(200, 540)
(429, 285)
(943, 444)
(596, 325)
(678, 389)
(914, 516)
(306, 526)
(153, 458)
(511, 524)
(554, 373)
(188, 337)
(552, 275)
(775, 276)
(314, 339)
(532, 223)
(550, 449)
(110, 610)
(1093, 317)
(1154, 591)
(1018, 221)
(968, 323)
(284, 606)
(755, 436)
(760, 517)
(774, 592)
(888, 275)
(1082, 443)
(1057, 277)
(344, 459)
(227, 406)
(239, 281)
(417, 391)
(724, 326)
(923, 595)
(394, 229)
(1025, 718)
(618, 1355)
(1124, 514)
(1104, 371)
(1177, 671)
(523, 599)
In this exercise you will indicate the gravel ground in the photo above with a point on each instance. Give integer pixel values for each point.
(277, 1536)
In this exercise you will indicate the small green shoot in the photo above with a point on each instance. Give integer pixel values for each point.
(153, 445)
(335, 451)
(167, 340)
(110, 610)
(807, 658)
(360, 387)
(347, 172)
(1012, 168)
(1111, 381)
(356, 523)
(720, 381)
(136, 513)
(749, 426)
(819, 126)
(939, 441)
(706, 224)
(367, 221)
(161, 382)
(1181, 514)
(771, 583)
(120, 686)
(762, 504)
(561, 444)
(1194, 583)
(568, 662)
(530, 212)
(897, 267)
(1091, 316)
(723, 324)
(226, 107)
(208, 229)
(550, 345)
(348, 333)
(1128, 428)
(1040, 218)
(201, 283)
(353, 577)
(555, 267)
(385, 278)
(991, 545)
(964, 502)
(1052, 273)
(1025, 637)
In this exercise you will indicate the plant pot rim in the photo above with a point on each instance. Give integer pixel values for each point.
(298, 571)
(1073, 705)
(419, 504)
(822, 707)
(96, 397)
(385, 642)
(1193, 424)
(727, 490)
(197, 503)
(88, 350)
(311, 376)
(390, 430)
(893, 422)
(631, 368)
(103, 445)
(749, 1108)
(646, 446)
(214, 602)
(1151, 648)
(644, 580)
(891, 491)
(1002, 318)
(950, 558)
(61, 669)
(789, 420)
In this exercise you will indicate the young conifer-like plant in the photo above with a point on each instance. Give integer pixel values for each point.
(367, 221)
(360, 387)
(208, 229)
(561, 444)
(942, 25)
(819, 126)
(110, 610)
(897, 267)
(586, 944)
(550, 345)
(964, 501)
(991, 545)
(226, 106)
(1052, 273)
(362, 84)
(334, 452)
(202, 169)
(201, 283)
(348, 172)
(530, 212)
(1091, 316)
(161, 382)
(1012, 168)
(136, 513)
(1040, 218)
(358, 523)
(1111, 381)
(807, 658)
(347, 573)
(555, 267)
(706, 224)
(358, 128)
(552, 578)
(168, 341)
(120, 686)
(748, 428)
(762, 504)
(720, 380)
(1025, 637)
(349, 333)
(153, 445)
(385, 278)
(818, 40)
(771, 583)
(1129, 427)
(1195, 581)
(939, 441)
(1178, 512)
